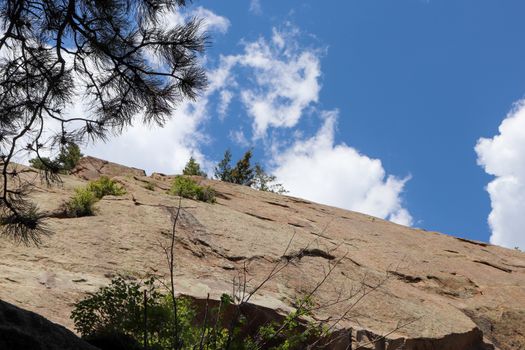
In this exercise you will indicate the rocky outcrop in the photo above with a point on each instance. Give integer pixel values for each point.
(385, 286)
(89, 168)
(25, 330)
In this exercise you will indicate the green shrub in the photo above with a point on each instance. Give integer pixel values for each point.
(81, 204)
(105, 186)
(206, 194)
(117, 311)
(149, 186)
(188, 188)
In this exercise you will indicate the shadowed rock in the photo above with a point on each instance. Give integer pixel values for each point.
(25, 330)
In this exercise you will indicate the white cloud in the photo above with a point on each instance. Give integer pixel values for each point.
(503, 156)
(162, 149)
(255, 7)
(338, 175)
(211, 21)
(225, 99)
(277, 83)
(283, 80)
(239, 138)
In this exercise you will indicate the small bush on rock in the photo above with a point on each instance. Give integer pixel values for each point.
(188, 188)
(81, 204)
(206, 194)
(105, 186)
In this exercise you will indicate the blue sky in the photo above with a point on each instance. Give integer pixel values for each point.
(389, 96)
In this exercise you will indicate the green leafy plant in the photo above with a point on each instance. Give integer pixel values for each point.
(188, 188)
(105, 186)
(121, 310)
(292, 332)
(206, 194)
(81, 203)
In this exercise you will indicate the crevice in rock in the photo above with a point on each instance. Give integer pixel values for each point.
(354, 262)
(405, 278)
(513, 265)
(313, 252)
(233, 258)
(259, 217)
(278, 204)
(501, 268)
(222, 195)
(471, 241)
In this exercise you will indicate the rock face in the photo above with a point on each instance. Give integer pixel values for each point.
(89, 168)
(24, 330)
(417, 289)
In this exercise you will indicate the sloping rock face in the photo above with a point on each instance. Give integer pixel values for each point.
(89, 168)
(24, 330)
(370, 278)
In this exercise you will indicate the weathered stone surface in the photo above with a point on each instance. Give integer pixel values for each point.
(433, 291)
(25, 330)
(89, 168)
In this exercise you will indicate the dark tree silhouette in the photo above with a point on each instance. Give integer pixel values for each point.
(114, 55)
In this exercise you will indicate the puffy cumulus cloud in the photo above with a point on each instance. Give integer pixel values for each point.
(164, 149)
(282, 80)
(503, 156)
(336, 174)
